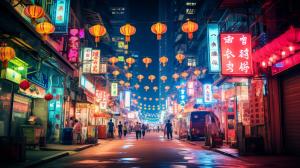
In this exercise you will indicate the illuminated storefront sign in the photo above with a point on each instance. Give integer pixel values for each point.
(34, 91)
(199, 101)
(182, 96)
(127, 99)
(86, 58)
(102, 98)
(87, 85)
(213, 47)
(11, 75)
(73, 45)
(207, 88)
(114, 89)
(121, 58)
(236, 54)
(60, 15)
(103, 68)
(190, 88)
(95, 69)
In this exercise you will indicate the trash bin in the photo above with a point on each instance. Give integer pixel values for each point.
(67, 136)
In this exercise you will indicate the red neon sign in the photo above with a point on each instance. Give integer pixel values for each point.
(236, 54)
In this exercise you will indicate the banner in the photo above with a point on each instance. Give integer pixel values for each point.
(86, 59)
(114, 89)
(60, 15)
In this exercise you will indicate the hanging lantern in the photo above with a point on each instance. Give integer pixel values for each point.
(121, 82)
(48, 97)
(151, 77)
(34, 12)
(155, 88)
(163, 78)
(127, 30)
(113, 60)
(167, 88)
(197, 72)
(163, 60)
(127, 84)
(162, 98)
(130, 61)
(97, 31)
(204, 71)
(128, 75)
(140, 77)
(24, 84)
(184, 75)
(189, 27)
(175, 76)
(150, 99)
(136, 86)
(44, 29)
(147, 61)
(145, 98)
(178, 86)
(146, 88)
(180, 58)
(139, 97)
(159, 29)
(6, 54)
(156, 99)
(115, 73)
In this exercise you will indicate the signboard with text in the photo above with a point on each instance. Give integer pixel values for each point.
(95, 69)
(213, 47)
(207, 89)
(86, 59)
(114, 89)
(127, 99)
(60, 15)
(236, 55)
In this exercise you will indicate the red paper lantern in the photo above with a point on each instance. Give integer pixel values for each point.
(24, 84)
(48, 97)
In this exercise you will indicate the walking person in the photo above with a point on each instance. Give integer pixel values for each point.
(137, 129)
(158, 128)
(120, 129)
(110, 129)
(169, 129)
(144, 128)
(125, 129)
(77, 131)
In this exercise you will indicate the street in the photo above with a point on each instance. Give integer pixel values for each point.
(153, 151)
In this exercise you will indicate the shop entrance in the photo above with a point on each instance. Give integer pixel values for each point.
(291, 112)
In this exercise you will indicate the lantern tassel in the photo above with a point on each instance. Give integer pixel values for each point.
(190, 36)
(158, 37)
(127, 38)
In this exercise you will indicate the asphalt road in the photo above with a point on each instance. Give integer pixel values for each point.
(154, 151)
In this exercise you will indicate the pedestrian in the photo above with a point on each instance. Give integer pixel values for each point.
(158, 128)
(111, 129)
(77, 131)
(168, 127)
(125, 129)
(144, 128)
(137, 129)
(120, 129)
(71, 122)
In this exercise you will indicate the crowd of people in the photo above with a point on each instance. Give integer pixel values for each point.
(140, 129)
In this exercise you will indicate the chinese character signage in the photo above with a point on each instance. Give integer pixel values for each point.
(236, 54)
(60, 15)
(73, 45)
(207, 89)
(103, 68)
(95, 67)
(213, 47)
(114, 89)
(102, 98)
(127, 99)
(190, 88)
(86, 84)
(86, 58)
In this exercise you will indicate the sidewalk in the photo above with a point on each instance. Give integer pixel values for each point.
(49, 153)
(274, 161)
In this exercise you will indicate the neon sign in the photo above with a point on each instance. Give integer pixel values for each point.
(213, 47)
(60, 15)
(207, 88)
(236, 54)
(114, 89)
